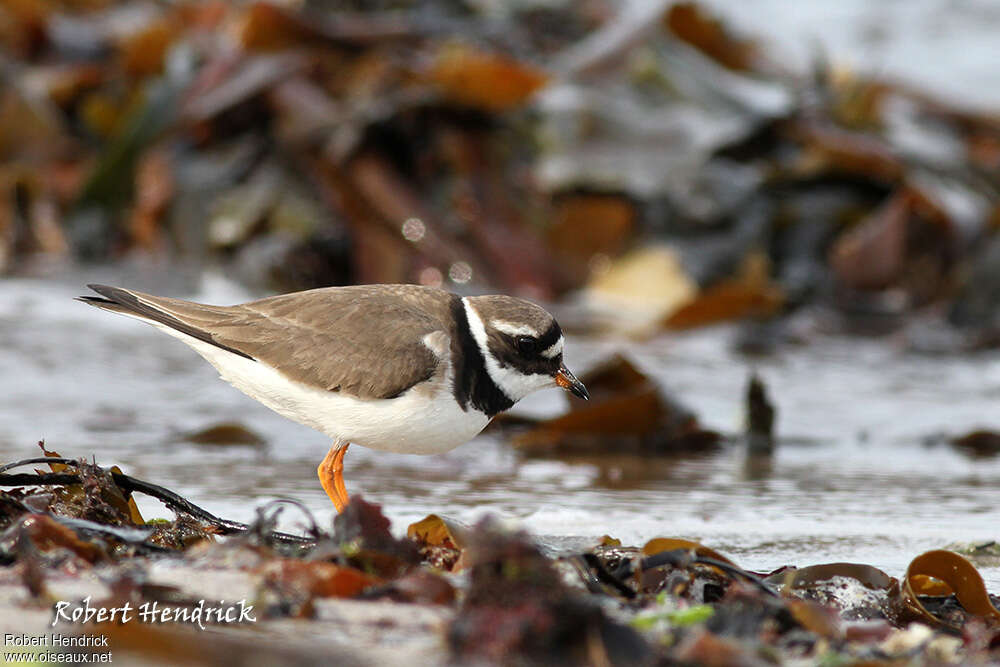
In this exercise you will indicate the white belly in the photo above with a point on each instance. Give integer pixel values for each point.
(421, 421)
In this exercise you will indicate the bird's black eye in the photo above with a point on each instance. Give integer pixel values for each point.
(526, 344)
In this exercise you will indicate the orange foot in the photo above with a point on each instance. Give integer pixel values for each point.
(331, 475)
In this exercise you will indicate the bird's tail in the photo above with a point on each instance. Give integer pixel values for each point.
(184, 316)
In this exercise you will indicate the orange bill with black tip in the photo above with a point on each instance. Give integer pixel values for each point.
(565, 379)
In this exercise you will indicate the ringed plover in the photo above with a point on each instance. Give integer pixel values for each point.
(399, 368)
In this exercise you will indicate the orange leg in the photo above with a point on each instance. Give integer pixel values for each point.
(331, 475)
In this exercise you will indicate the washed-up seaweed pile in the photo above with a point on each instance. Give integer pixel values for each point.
(502, 598)
(669, 169)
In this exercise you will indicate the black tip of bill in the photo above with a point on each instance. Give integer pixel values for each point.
(568, 381)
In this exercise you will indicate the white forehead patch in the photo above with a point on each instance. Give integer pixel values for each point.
(554, 350)
(512, 382)
(513, 329)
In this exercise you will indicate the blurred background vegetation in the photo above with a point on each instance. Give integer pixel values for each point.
(644, 162)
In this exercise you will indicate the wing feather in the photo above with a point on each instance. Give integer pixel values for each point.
(340, 339)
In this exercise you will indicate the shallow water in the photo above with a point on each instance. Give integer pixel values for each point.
(853, 478)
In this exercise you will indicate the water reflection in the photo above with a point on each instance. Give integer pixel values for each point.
(757, 466)
(633, 472)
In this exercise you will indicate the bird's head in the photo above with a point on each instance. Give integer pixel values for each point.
(522, 345)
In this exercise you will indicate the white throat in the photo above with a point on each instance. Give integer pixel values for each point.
(515, 384)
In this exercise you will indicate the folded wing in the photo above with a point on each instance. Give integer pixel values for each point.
(338, 339)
